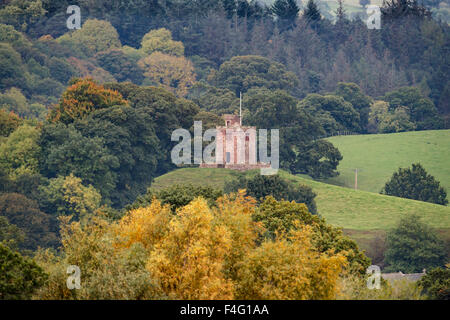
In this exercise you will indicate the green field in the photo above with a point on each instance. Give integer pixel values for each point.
(343, 207)
(377, 156)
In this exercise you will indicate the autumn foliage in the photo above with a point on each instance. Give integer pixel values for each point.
(199, 252)
(81, 98)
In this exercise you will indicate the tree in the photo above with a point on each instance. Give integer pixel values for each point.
(122, 67)
(10, 235)
(164, 111)
(20, 153)
(128, 134)
(286, 11)
(300, 151)
(188, 261)
(290, 256)
(20, 276)
(65, 150)
(107, 272)
(241, 73)
(352, 93)
(281, 217)
(68, 196)
(341, 111)
(364, 3)
(173, 73)
(94, 36)
(311, 12)
(421, 109)
(26, 215)
(260, 187)
(396, 121)
(81, 98)
(217, 100)
(415, 183)
(160, 40)
(413, 246)
(395, 9)
(178, 196)
(8, 122)
(436, 283)
(11, 69)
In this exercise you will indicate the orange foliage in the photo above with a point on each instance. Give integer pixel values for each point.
(81, 98)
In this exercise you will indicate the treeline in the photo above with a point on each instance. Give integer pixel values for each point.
(409, 49)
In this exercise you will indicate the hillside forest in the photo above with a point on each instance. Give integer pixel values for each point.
(87, 115)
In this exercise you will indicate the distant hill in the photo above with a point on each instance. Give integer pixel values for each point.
(377, 156)
(343, 207)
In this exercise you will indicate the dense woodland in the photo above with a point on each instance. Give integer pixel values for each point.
(86, 118)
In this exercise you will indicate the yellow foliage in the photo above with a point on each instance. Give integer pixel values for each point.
(145, 225)
(173, 73)
(235, 213)
(161, 40)
(289, 268)
(188, 261)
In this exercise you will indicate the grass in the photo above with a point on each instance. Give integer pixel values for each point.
(378, 156)
(342, 207)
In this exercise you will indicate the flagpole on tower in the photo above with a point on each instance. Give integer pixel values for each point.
(240, 108)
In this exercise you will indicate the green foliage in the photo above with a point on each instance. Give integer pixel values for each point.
(311, 12)
(65, 150)
(244, 72)
(164, 111)
(129, 136)
(8, 122)
(19, 276)
(421, 109)
(260, 186)
(334, 112)
(11, 68)
(413, 246)
(415, 183)
(10, 235)
(177, 196)
(60, 69)
(25, 214)
(161, 40)
(21, 14)
(209, 98)
(352, 93)
(94, 36)
(286, 11)
(397, 121)
(106, 271)
(280, 216)
(299, 152)
(436, 284)
(122, 67)
(359, 210)
(20, 153)
(68, 196)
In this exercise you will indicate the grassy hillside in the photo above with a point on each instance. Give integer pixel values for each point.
(377, 156)
(343, 207)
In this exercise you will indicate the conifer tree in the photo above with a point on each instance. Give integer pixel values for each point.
(312, 12)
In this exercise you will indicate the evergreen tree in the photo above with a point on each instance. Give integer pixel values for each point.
(286, 10)
(413, 246)
(312, 12)
(415, 183)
